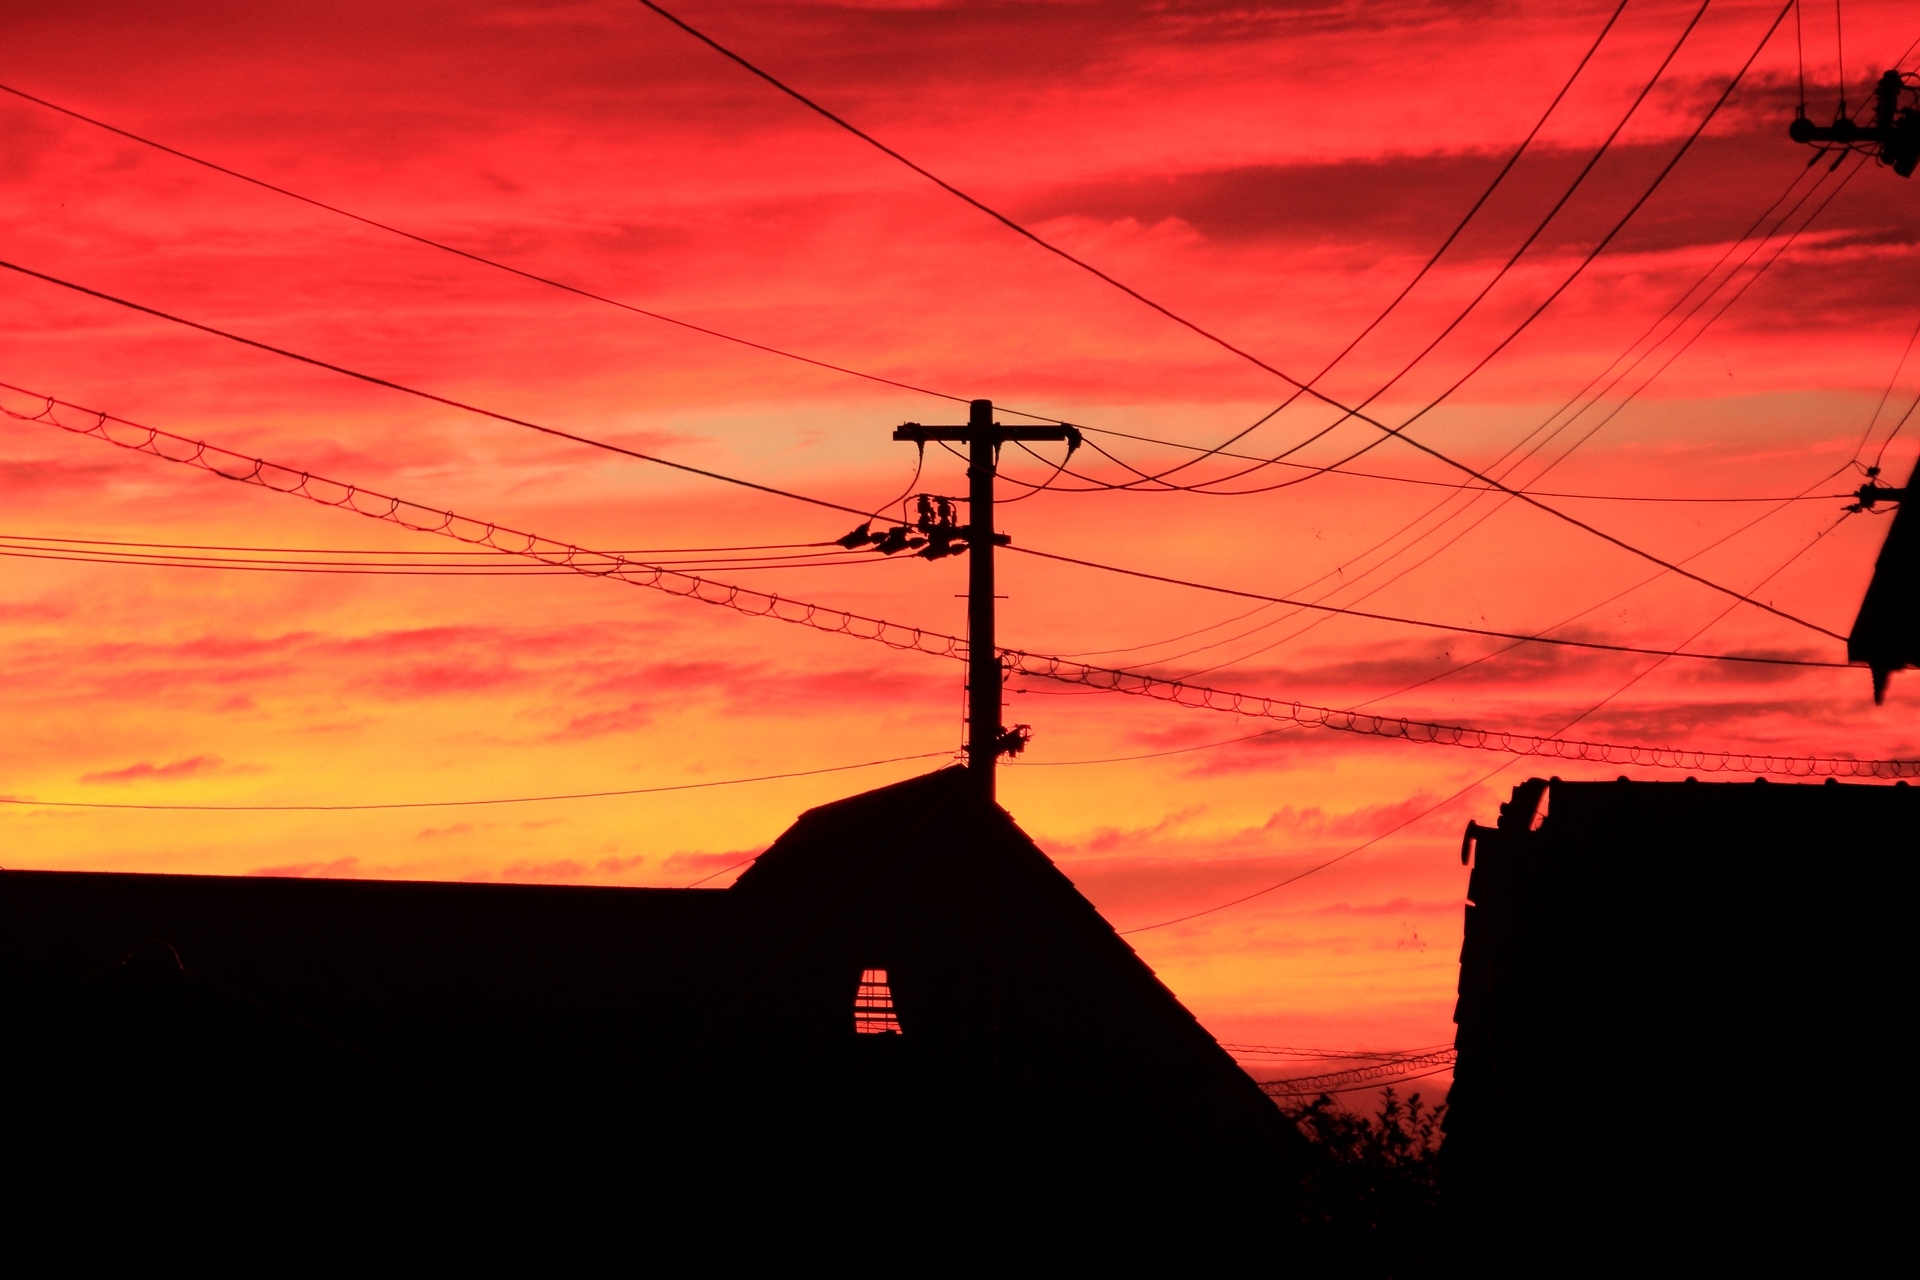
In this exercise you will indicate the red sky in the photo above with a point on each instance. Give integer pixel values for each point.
(1275, 172)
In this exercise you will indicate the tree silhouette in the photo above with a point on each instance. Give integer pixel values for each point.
(1369, 1202)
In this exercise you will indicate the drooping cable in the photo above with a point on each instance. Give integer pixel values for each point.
(1477, 782)
(1394, 618)
(470, 256)
(1432, 261)
(1531, 486)
(1600, 604)
(1892, 382)
(1513, 260)
(1495, 507)
(1258, 362)
(25, 802)
(241, 469)
(448, 401)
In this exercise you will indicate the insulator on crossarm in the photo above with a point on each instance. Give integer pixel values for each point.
(894, 542)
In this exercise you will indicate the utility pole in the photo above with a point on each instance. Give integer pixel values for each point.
(1886, 633)
(987, 739)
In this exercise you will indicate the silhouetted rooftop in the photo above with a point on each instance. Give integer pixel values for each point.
(1665, 990)
(642, 1030)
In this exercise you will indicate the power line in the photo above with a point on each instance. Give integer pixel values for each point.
(1480, 781)
(1494, 509)
(1392, 1071)
(483, 260)
(1434, 260)
(409, 515)
(461, 405)
(565, 555)
(1224, 344)
(456, 562)
(1882, 453)
(388, 551)
(1514, 258)
(1532, 488)
(1376, 475)
(456, 804)
(395, 570)
(1579, 269)
(1747, 284)
(428, 241)
(1899, 365)
(1329, 1055)
(1417, 622)
(1150, 755)
(1454, 670)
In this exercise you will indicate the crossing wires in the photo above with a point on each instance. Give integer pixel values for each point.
(305, 484)
(1260, 363)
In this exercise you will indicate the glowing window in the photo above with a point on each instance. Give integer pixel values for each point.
(873, 1013)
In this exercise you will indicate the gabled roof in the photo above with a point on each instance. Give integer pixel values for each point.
(697, 1025)
(1011, 989)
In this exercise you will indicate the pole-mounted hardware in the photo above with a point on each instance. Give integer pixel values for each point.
(1886, 632)
(935, 535)
(1893, 137)
(1870, 494)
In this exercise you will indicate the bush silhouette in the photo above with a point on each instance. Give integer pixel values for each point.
(1369, 1202)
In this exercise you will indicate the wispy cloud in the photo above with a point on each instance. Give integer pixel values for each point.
(147, 771)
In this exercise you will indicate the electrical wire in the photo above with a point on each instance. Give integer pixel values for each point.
(483, 260)
(429, 242)
(388, 551)
(732, 338)
(397, 570)
(1572, 618)
(1330, 1055)
(1369, 1084)
(240, 469)
(1579, 269)
(1514, 258)
(1150, 755)
(1390, 1071)
(1437, 626)
(404, 389)
(1345, 582)
(568, 556)
(1224, 344)
(1899, 365)
(456, 804)
(1374, 475)
(1432, 809)
(1499, 505)
(1896, 431)
(1427, 267)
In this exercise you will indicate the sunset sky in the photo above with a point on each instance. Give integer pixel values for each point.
(1276, 173)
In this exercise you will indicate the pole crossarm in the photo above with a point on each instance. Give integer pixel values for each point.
(362, 501)
(919, 434)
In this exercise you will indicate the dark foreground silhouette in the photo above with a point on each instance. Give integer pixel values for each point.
(903, 1016)
(1370, 1202)
(1716, 963)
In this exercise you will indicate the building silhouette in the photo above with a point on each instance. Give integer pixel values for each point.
(1670, 993)
(902, 995)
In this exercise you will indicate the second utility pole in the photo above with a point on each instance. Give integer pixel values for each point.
(986, 737)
